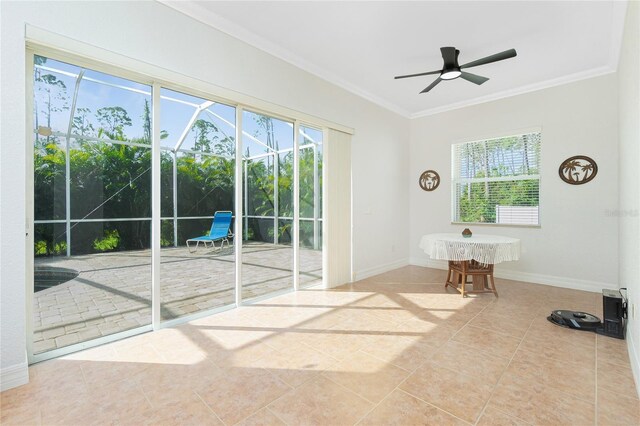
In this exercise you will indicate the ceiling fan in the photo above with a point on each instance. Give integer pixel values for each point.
(451, 70)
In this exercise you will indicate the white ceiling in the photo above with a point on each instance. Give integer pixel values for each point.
(361, 46)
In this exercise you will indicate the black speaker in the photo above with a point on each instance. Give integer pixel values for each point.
(614, 314)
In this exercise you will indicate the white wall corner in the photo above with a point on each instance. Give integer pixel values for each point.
(379, 269)
(555, 281)
(429, 263)
(14, 376)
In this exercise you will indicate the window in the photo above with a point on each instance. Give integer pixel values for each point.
(497, 180)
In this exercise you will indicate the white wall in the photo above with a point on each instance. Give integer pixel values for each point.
(577, 244)
(629, 179)
(157, 35)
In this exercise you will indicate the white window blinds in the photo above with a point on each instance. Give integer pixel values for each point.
(497, 180)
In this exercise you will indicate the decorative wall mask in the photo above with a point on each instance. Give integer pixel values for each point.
(429, 180)
(578, 169)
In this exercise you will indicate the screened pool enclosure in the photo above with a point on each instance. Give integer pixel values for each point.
(93, 198)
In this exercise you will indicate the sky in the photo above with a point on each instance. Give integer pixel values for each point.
(176, 109)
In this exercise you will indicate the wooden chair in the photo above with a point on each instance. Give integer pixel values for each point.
(481, 274)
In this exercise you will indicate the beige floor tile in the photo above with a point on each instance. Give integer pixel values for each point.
(241, 392)
(287, 339)
(616, 378)
(143, 352)
(322, 322)
(56, 374)
(457, 393)
(512, 324)
(336, 342)
(613, 350)
(617, 410)
(518, 306)
(527, 399)
(19, 407)
(161, 385)
(48, 390)
(365, 323)
(296, 365)
(557, 348)
(345, 350)
(105, 372)
(384, 299)
(99, 404)
(469, 360)
(238, 335)
(396, 314)
(188, 410)
(320, 402)
(571, 377)
(452, 317)
(263, 417)
(369, 377)
(402, 409)
(282, 316)
(542, 327)
(405, 352)
(495, 417)
(245, 355)
(556, 342)
(436, 334)
(499, 344)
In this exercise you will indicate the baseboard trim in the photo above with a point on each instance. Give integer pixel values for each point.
(14, 376)
(380, 269)
(633, 358)
(555, 281)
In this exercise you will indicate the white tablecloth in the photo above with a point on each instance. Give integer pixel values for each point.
(486, 249)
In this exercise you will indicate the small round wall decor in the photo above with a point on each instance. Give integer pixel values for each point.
(578, 169)
(429, 180)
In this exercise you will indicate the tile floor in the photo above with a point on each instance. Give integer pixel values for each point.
(392, 349)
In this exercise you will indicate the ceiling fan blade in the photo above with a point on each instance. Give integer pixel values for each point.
(477, 79)
(493, 58)
(419, 74)
(432, 85)
(449, 56)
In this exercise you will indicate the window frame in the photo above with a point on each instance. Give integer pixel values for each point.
(455, 180)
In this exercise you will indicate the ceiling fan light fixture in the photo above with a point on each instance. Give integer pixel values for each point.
(450, 75)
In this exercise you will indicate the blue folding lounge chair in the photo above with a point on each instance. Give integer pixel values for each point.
(220, 231)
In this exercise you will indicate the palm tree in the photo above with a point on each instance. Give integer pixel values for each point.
(586, 169)
(570, 167)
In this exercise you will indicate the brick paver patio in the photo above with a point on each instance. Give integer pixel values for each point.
(112, 292)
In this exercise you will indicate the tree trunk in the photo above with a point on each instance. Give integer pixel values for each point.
(526, 153)
(486, 172)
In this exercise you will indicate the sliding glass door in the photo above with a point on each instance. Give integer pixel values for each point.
(310, 196)
(267, 250)
(92, 205)
(93, 192)
(198, 164)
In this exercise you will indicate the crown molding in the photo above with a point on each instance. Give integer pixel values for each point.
(199, 13)
(617, 25)
(583, 75)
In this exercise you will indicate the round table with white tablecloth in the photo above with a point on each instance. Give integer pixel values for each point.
(477, 247)
(478, 250)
